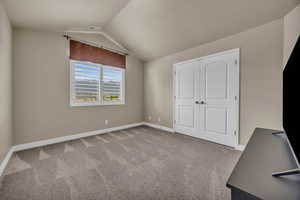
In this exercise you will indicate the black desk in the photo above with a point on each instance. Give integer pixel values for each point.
(252, 178)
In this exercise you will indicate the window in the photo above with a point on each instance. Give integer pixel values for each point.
(95, 84)
(111, 82)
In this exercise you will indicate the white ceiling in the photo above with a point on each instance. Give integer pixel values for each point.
(61, 15)
(150, 28)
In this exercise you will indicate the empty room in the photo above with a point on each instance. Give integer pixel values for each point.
(149, 100)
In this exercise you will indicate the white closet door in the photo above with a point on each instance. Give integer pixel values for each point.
(217, 112)
(206, 98)
(185, 97)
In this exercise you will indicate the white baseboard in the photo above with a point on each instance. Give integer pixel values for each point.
(240, 147)
(41, 143)
(164, 128)
(4, 162)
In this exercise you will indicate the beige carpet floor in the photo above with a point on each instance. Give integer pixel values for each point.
(135, 164)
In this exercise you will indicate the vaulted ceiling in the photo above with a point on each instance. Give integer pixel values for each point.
(150, 28)
(62, 15)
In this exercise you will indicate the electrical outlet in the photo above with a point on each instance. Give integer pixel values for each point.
(149, 118)
(106, 121)
(158, 119)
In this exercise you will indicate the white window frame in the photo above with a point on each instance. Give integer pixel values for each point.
(100, 102)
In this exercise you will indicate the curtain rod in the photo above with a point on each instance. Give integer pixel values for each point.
(95, 44)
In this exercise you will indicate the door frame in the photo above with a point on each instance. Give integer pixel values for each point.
(236, 87)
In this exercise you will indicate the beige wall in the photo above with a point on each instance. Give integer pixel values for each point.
(5, 84)
(41, 83)
(291, 32)
(261, 71)
(41, 91)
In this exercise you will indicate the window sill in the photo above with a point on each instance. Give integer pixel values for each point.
(96, 104)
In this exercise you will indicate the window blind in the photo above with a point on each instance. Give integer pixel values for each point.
(86, 82)
(111, 79)
(95, 84)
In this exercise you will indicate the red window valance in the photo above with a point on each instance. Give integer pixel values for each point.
(84, 52)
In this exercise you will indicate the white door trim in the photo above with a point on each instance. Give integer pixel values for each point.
(236, 86)
(236, 50)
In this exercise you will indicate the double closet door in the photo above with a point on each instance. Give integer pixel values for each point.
(207, 98)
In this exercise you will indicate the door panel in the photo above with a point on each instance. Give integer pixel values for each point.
(186, 115)
(218, 95)
(216, 120)
(185, 96)
(216, 80)
(186, 83)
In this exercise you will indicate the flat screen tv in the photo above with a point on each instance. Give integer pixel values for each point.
(291, 104)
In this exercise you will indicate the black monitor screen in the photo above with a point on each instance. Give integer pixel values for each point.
(291, 100)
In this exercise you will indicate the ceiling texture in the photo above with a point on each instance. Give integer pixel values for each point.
(61, 15)
(150, 28)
